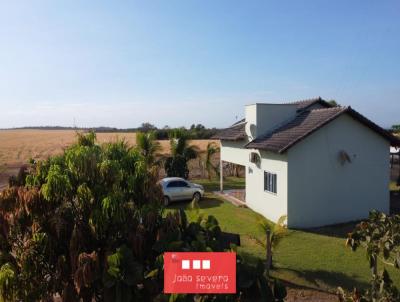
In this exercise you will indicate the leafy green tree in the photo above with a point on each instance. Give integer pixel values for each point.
(396, 128)
(148, 147)
(203, 233)
(211, 150)
(380, 236)
(199, 131)
(89, 225)
(333, 103)
(181, 153)
(73, 212)
(146, 127)
(274, 234)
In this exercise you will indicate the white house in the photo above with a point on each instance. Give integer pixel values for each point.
(312, 162)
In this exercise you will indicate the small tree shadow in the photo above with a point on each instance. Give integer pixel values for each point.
(204, 203)
(321, 279)
(342, 230)
(249, 257)
(338, 230)
(207, 203)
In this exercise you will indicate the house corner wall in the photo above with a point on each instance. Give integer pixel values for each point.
(234, 152)
(322, 190)
(270, 205)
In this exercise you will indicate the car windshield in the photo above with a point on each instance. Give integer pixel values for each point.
(178, 184)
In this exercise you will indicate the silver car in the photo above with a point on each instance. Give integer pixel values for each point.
(176, 188)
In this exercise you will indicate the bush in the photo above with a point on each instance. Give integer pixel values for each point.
(89, 225)
(177, 167)
(380, 236)
(181, 152)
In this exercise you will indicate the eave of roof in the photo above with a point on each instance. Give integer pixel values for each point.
(239, 122)
(305, 104)
(236, 132)
(307, 122)
(302, 104)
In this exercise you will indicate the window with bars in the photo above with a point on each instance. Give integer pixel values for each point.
(270, 182)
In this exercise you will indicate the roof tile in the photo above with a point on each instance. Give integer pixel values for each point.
(234, 133)
(306, 122)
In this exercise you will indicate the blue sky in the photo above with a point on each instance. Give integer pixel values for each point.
(120, 63)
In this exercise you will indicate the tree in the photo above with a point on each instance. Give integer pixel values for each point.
(380, 236)
(148, 147)
(181, 153)
(146, 127)
(396, 128)
(252, 283)
(212, 149)
(333, 103)
(199, 131)
(89, 225)
(274, 233)
(77, 218)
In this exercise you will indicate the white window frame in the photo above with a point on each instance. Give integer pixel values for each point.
(270, 182)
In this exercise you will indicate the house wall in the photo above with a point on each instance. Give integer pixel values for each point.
(262, 118)
(270, 205)
(234, 152)
(251, 121)
(322, 191)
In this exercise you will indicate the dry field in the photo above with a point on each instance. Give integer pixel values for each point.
(18, 146)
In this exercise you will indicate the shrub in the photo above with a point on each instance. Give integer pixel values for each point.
(380, 236)
(88, 225)
(181, 153)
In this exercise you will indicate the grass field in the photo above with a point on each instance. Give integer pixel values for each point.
(18, 146)
(314, 259)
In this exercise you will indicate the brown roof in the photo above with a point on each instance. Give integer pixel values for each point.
(237, 130)
(239, 122)
(304, 104)
(234, 133)
(307, 122)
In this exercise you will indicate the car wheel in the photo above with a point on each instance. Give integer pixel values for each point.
(166, 200)
(197, 196)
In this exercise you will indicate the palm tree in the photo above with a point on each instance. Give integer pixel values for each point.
(149, 147)
(212, 149)
(179, 142)
(274, 233)
(181, 153)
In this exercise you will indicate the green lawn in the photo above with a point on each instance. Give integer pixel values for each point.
(311, 259)
(229, 183)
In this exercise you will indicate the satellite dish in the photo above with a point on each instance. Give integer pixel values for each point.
(251, 130)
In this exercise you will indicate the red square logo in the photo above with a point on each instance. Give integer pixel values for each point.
(200, 273)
